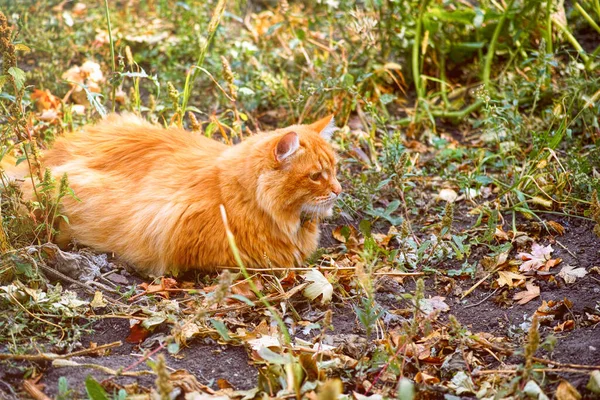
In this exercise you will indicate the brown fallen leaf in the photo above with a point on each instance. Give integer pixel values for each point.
(526, 296)
(224, 384)
(137, 333)
(423, 377)
(566, 326)
(500, 235)
(566, 391)
(508, 278)
(553, 310)
(45, 100)
(345, 234)
(556, 227)
(161, 288)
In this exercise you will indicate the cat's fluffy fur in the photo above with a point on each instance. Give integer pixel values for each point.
(152, 195)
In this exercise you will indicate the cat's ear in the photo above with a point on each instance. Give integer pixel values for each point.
(325, 126)
(287, 145)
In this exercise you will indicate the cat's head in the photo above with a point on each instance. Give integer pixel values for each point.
(304, 167)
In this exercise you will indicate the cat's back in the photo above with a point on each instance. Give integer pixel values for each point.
(126, 141)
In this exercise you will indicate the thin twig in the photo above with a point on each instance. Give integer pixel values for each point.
(68, 363)
(484, 299)
(34, 391)
(514, 371)
(53, 356)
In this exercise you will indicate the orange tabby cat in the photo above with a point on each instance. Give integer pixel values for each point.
(152, 195)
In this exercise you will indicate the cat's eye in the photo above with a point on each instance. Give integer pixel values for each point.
(315, 176)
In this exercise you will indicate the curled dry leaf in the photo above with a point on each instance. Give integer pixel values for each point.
(423, 377)
(447, 195)
(566, 326)
(44, 100)
(161, 288)
(510, 279)
(556, 227)
(553, 309)
(319, 286)
(264, 341)
(526, 296)
(137, 333)
(98, 301)
(536, 259)
(566, 391)
(570, 274)
(89, 74)
(433, 304)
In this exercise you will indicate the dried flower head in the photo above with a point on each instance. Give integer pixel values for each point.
(7, 49)
(228, 75)
(129, 56)
(163, 381)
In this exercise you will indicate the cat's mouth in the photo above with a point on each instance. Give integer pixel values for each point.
(319, 207)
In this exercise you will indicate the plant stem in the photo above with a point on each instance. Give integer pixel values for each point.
(460, 113)
(416, 59)
(549, 44)
(571, 39)
(587, 17)
(112, 53)
(443, 79)
(193, 73)
(487, 68)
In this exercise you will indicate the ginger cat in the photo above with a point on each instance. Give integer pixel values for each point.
(152, 195)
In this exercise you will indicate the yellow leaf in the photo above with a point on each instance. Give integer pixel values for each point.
(526, 296)
(507, 278)
(22, 47)
(566, 391)
(98, 301)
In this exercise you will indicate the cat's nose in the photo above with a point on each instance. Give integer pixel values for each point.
(336, 188)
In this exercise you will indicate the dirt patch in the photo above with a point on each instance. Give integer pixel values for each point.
(208, 362)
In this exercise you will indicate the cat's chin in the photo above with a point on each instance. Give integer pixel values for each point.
(317, 210)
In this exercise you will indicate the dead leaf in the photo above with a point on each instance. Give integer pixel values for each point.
(264, 341)
(98, 301)
(48, 115)
(88, 74)
(556, 227)
(507, 278)
(566, 391)
(433, 304)
(500, 235)
(552, 309)
(551, 263)
(137, 333)
(224, 384)
(536, 259)
(526, 296)
(243, 288)
(423, 377)
(447, 195)
(566, 326)
(345, 234)
(161, 288)
(319, 285)
(44, 100)
(570, 274)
